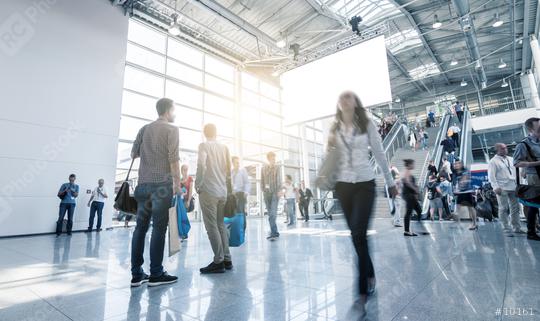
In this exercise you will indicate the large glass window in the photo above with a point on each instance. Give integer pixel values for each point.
(185, 73)
(184, 95)
(129, 127)
(143, 82)
(185, 53)
(205, 89)
(138, 105)
(145, 58)
(146, 36)
(219, 68)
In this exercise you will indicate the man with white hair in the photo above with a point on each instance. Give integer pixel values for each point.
(502, 176)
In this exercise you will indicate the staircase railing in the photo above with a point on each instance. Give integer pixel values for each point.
(395, 139)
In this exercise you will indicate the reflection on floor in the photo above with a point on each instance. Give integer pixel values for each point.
(452, 274)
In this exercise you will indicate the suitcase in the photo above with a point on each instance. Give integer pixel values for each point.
(236, 226)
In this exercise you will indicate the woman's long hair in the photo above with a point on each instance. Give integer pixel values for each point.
(361, 119)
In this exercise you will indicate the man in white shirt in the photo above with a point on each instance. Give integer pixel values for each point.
(502, 176)
(241, 185)
(96, 203)
(455, 133)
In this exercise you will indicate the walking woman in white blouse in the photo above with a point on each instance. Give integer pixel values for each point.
(353, 134)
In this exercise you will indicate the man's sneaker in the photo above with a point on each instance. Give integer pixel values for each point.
(213, 268)
(139, 280)
(533, 237)
(165, 278)
(228, 265)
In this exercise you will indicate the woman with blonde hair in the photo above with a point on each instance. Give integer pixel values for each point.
(354, 135)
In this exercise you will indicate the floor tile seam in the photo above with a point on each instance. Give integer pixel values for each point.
(506, 278)
(49, 303)
(424, 287)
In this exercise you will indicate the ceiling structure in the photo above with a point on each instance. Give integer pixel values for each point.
(432, 46)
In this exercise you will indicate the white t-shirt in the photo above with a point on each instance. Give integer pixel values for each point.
(97, 194)
(289, 190)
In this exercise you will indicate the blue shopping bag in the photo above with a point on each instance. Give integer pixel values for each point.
(183, 221)
(237, 229)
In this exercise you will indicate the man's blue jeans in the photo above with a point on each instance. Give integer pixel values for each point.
(95, 207)
(271, 201)
(153, 202)
(291, 210)
(70, 209)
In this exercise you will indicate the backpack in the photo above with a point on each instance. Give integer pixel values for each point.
(432, 191)
(426, 135)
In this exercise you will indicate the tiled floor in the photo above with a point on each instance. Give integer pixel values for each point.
(453, 274)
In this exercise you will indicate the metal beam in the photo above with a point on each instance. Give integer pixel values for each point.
(323, 9)
(402, 69)
(230, 16)
(526, 47)
(422, 38)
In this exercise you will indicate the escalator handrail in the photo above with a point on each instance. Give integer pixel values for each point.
(464, 143)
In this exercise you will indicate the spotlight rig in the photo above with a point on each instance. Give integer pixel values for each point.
(355, 24)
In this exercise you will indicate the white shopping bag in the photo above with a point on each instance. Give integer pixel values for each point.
(174, 237)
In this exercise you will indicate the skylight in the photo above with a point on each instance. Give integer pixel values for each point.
(424, 70)
(403, 40)
(371, 11)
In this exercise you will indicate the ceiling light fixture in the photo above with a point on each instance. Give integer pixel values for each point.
(281, 43)
(498, 21)
(478, 64)
(397, 100)
(436, 23)
(463, 83)
(504, 83)
(453, 62)
(502, 64)
(174, 29)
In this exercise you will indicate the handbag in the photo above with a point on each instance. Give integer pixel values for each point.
(528, 193)
(327, 176)
(230, 204)
(174, 237)
(183, 221)
(124, 201)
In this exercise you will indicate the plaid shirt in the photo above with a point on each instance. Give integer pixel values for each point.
(271, 178)
(157, 144)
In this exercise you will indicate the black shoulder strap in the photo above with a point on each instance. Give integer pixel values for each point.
(129, 171)
(529, 152)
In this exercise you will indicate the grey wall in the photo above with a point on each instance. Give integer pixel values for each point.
(61, 76)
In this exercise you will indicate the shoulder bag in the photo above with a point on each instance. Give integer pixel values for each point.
(230, 204)
(124, 201)
(528, 193)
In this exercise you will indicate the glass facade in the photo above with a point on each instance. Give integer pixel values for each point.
(246, 110)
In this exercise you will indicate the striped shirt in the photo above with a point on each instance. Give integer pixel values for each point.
(157, 144)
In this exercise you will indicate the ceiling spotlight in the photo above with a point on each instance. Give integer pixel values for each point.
(397, 100)
(484, 85)
(296, 50)
(498, 21)
(355, 24)
(453, 62)
(174, 29)
(463, 83)
(478, 64)
(281, 43)
(504, 83)
(502, 64)
(436, 23)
